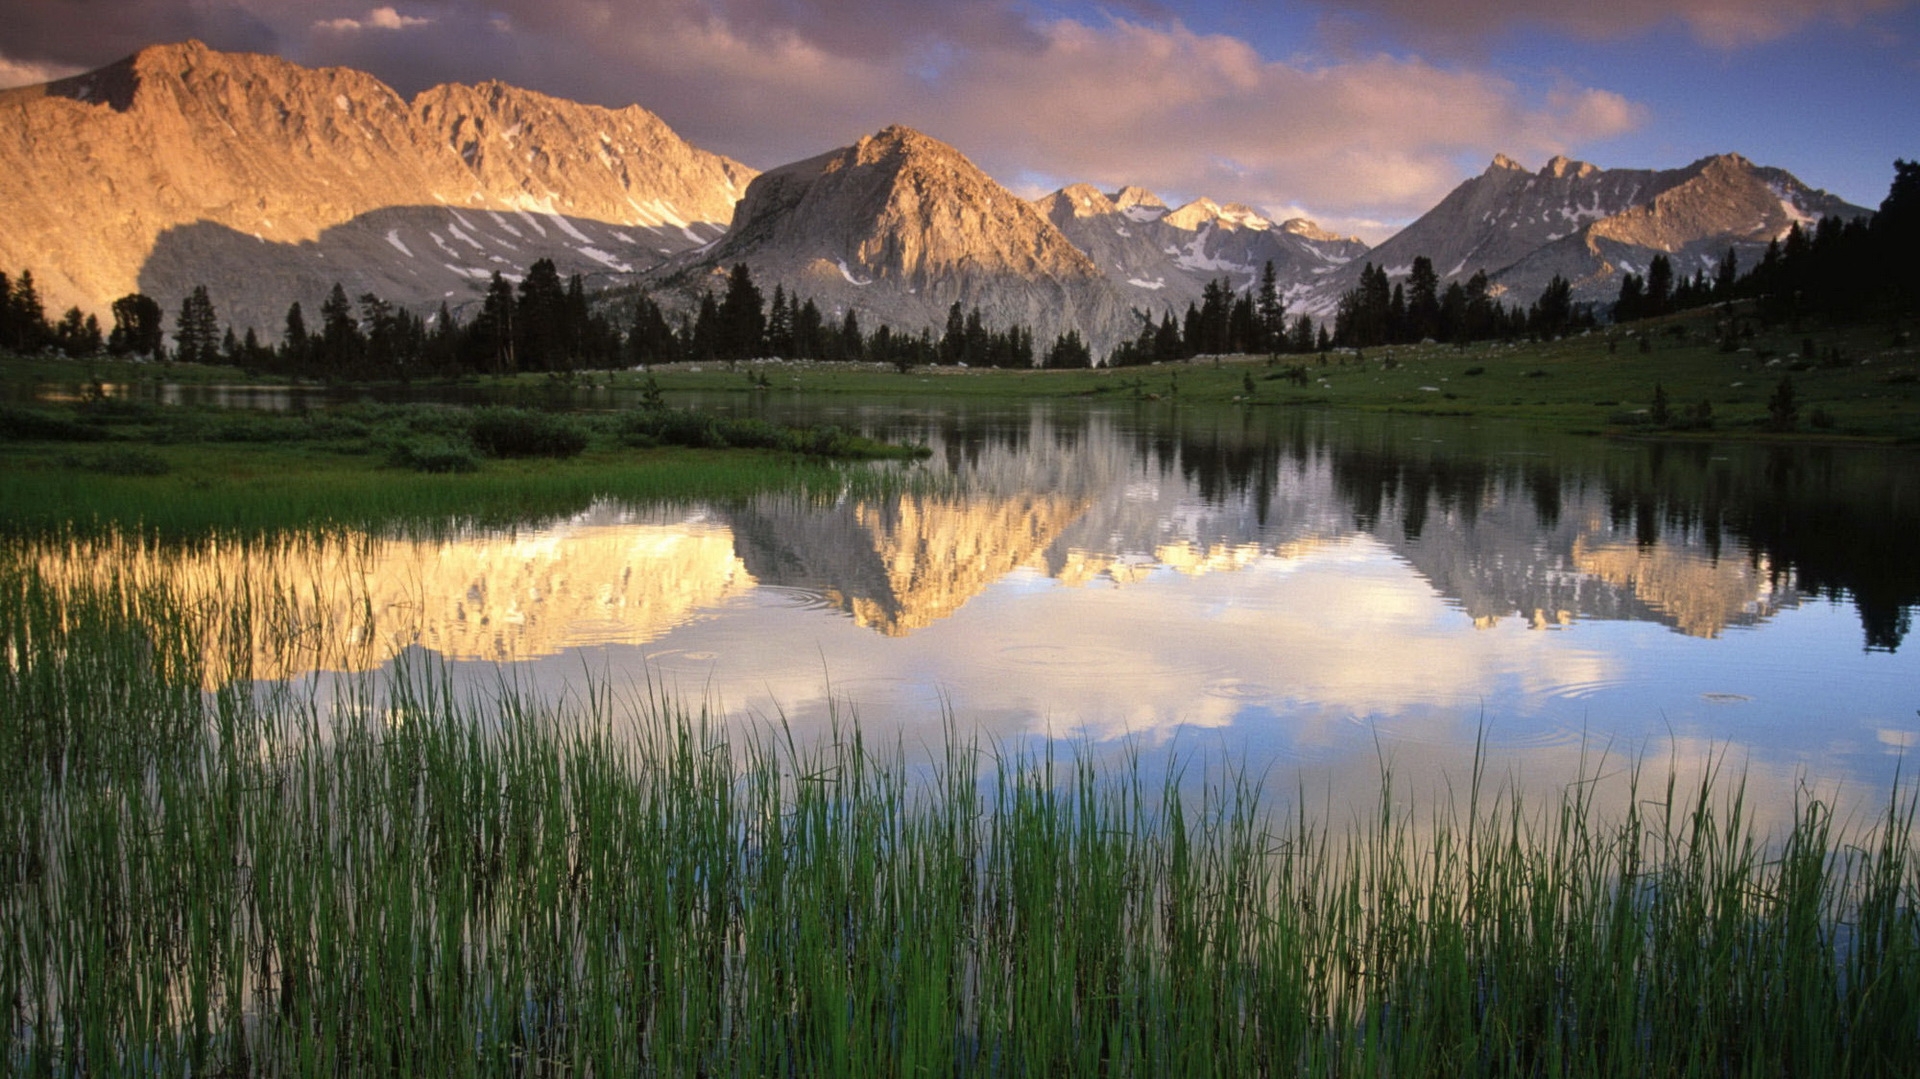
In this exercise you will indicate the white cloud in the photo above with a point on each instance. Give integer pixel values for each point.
(24, 73)
(380, 18)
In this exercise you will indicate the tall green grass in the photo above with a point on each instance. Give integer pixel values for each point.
(404, 878)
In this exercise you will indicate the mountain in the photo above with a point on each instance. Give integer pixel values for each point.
(268, 181)
(1162, 259)
(1592, 225)
(900, 226)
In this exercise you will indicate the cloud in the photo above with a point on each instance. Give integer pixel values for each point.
(380, 18)
(22, 73)
(1034, 99)
(1724, 24)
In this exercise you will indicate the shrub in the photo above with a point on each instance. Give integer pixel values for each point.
(127, 462)
(28, 423)
(515, 432)
(432, 455)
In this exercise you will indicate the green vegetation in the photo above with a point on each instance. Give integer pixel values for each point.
(189, 471)
(394, 876)
(1865, 377)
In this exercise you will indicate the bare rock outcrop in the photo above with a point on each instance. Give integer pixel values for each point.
(183, 165)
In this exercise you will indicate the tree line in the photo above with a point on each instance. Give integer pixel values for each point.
(542, 324)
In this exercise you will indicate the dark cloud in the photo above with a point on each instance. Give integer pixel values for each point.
(1718, 23)
(91, 33)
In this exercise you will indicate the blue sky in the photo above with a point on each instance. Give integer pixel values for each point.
(1358, 113)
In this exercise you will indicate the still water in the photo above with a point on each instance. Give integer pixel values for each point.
(1307, 594)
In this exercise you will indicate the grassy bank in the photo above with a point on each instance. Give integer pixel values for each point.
(1851, 382)
(404, 879)
(185, 470)
(1857, 381)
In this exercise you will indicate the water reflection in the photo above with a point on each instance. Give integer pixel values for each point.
(1306, 587)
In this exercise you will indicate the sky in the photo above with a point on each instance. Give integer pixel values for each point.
(1359, 114)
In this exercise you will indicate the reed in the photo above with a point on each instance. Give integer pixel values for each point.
(397, 876)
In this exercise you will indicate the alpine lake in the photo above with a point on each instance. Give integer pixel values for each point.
(1313, 596)
(1110, 738)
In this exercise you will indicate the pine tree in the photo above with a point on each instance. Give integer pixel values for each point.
(196, 329)
(540, 319)
(1660, 285)
(1069, 350)
(23, 319)
(1727, 276)
(853, 345)
(337, 352)
(1273, 312)
(1423, 301)
(743, 321)
(294, 346)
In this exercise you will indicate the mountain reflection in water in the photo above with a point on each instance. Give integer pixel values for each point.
(1297, 581)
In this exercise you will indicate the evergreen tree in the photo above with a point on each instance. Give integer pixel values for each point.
(780, 324)
(1069, 350)
(706, 330)
(1632, 303)
(651, 340)
(1552, 313)
(23, 318)
(293, 343)
(743, 320)
(1423, 301)
(809, 331)
(196, 329)
(1244, 333)
(1659, 286)
(337, 353)
(1895, 234)
(1273, 312)
(1167, 345)
(77, 334)
(1453, 313)
(1302, 338)
(1726, 276)
(540, 319)
(853, 345)
(953, 343)
(1398, 331)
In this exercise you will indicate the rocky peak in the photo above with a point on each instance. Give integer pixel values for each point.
(1077, 200)
(1130, 197)
(1503, 163)
(1200, 211)
(1562, 167)
(899, 206)
(1310, 230)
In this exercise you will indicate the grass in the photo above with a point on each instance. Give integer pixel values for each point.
(402, 878)
(1864, 384)
(194, 471)
(1857, 381)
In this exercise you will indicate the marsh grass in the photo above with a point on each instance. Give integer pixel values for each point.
(404, 878)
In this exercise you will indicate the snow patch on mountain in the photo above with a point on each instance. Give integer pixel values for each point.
(848, 274)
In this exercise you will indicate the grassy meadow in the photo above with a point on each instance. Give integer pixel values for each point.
(1850, 382)
(182, 470)
(381, 874)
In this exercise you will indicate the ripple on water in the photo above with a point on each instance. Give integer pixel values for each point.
(787, 597)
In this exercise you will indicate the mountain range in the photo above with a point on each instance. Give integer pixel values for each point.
(268, 182)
